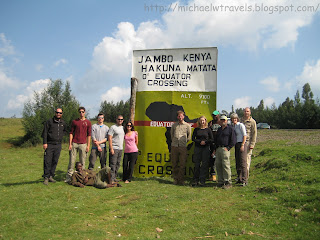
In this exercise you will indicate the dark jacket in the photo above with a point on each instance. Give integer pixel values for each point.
(54, 131)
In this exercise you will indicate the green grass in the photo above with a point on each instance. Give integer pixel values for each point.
(281, 202)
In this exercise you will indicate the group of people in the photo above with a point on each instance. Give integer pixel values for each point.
(213, 141)
(80, 137)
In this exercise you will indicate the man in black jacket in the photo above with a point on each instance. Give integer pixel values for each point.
(53, 132)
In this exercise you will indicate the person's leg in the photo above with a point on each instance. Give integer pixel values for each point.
(196, 160)
(112, 165)
(125, 166)
(47, 161)
(205, 155)
(219, 168)
(174, 161)
(103, 158)
(83, 154)
(226, 167)
(132, 163)
(119, 156)
(182, 163)
(243, 165)
(249, 154)
(55, 159)
(100, 181)
(237, 158)
(92, 158)
(72, 160)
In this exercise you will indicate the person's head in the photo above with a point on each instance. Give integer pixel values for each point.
(119, 120)
(78, 166)
(180, 115)
(247, 112)
(223, 121)
(82, 112)
(216, 116)
(129, 127)
(202, 122)
(234, 118)
(100, 118)
(58, 113)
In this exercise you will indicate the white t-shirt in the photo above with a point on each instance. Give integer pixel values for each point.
(117, 134)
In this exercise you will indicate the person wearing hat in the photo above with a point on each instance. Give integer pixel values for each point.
(225, 139)
(213, 125)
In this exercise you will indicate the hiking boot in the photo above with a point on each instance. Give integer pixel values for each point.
(46, 181)
(52, 180)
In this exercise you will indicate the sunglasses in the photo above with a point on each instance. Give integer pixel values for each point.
(101, 117)
(129, 125)
(81, 111)
(58, 112)
(120, 119)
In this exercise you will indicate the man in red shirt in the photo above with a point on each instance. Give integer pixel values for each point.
(80, 137)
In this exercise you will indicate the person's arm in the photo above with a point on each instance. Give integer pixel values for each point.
(189, 133)
(110, 145)
(136, 138)
(210, 137)
(253, 133)
(74, 181)
(88, 143)
(45, 135)
(232, 139)
(70, 141)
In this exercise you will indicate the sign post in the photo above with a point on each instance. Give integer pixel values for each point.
(170, 80)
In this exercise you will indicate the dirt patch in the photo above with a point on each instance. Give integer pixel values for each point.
(305, 137)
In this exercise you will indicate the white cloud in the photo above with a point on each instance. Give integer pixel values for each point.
(248, 30)
(36, 86)
(7, 82)
(271, 83)
(6, 48)
(242, 102)
(39, 67)
(311, 75)
(268, 101)
(116, 94)
(60, 61)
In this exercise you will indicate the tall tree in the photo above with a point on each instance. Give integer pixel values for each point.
(37, 110)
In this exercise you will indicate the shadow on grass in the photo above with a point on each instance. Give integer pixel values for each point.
(15, 141)
(59, 177)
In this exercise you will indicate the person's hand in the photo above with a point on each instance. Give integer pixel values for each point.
(45, 146)
(226, 149)
(70, 147)
(81, 185)
(87, 149)
(112, 151)
(202, 143)
(85, 180)
(99, 149)
(213, 153)
(241, 148)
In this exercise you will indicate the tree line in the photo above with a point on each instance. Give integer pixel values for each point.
(298, 113)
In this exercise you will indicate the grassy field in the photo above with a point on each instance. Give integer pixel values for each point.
(282, 200)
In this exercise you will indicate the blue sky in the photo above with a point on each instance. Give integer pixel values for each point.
(261, 54)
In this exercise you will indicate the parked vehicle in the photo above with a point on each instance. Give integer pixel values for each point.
(263, 126)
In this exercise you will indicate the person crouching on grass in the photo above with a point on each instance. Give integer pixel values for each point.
(84, 177)
(130, 152)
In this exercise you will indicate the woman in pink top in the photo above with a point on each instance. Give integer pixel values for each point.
(130, 152)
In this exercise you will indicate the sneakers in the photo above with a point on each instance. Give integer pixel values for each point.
(52, 180)
(46, 181)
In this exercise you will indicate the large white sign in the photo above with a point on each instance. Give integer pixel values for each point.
(182, 69)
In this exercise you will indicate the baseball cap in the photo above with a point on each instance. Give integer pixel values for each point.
(223, 117)
(215, 113)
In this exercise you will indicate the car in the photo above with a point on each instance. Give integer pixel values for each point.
(263, 126)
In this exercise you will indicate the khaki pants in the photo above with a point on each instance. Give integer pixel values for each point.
(178, 159)
(81, 148)
(249, 154)
(223, 166)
